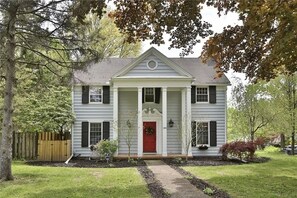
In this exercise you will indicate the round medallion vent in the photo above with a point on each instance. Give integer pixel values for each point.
(152, 64)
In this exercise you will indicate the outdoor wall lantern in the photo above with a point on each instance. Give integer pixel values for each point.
(129, 124)
(171, 123)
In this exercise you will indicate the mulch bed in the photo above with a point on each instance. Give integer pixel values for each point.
(211, 161)
(154, 186)
(86, 163)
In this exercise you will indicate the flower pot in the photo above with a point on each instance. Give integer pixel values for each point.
(202, 148)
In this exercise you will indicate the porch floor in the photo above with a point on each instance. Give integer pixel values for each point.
(151, 156)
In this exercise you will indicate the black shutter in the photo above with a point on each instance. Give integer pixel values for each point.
(213, 133)
(106, 129)
(194, 124)
(106, 94)
(157, 95)
(142, 95)
(193, 94)
(84, 134)
(212, 94)
(85, 95)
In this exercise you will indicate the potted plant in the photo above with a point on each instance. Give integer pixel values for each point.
(203, 147)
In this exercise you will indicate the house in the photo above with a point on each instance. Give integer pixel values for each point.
(159, 104)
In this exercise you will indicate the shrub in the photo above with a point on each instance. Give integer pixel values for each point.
(208, 191)
(107, 147)
(272, 149)
(239, 149)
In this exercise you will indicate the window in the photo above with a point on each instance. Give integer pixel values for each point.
(95, 133)
(202, 94)
(200, 133)
(152, 64)
(95, 94)
(149, 95)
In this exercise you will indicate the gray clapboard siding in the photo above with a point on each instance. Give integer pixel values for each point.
(212, 112)
(161, 70)
(127, 111)
(174, 113)
(89, 112)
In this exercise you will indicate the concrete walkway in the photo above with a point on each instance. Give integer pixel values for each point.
(172, 181)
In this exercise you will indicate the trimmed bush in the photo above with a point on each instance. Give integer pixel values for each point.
(107, 147)
(239, 149)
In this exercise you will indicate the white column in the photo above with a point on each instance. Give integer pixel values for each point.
(115, 115)
(164, 120)
(183, 125)
(140, 124)
(189, 118)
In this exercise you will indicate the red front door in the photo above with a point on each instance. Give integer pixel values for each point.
(149, 136)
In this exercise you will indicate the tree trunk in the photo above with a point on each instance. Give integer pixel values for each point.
(283, 140)
(252, 136)
(293, 143)
(9, 65)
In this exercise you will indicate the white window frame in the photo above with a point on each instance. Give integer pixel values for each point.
(200, 87)
(154, 94)
(208, 132)
(101, 132)
(96, 87)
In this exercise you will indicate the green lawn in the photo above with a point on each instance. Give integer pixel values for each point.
(54, 182)
(276, 178)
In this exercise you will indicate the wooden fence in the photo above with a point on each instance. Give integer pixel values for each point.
(54, 147)
(41, 146)
(24, 145)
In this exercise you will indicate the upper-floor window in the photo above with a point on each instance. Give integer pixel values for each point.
(95, 94)
(149, 94)
(202, 94)
(95, 132)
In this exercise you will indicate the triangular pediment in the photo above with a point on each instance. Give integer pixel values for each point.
(152, 63)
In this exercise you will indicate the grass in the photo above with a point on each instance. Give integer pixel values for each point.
(276, 178)
(34, 181)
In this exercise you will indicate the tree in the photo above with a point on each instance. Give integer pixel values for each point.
(263, 45)
(35, 27)
(182, 20)
(127, 128)
(106, 39)
(283, 90)
(185, 138)
(252, 105)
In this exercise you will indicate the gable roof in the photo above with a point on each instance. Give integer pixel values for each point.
(155, 52)
(102, 72)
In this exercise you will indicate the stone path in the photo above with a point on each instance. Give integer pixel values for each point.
(173, 182)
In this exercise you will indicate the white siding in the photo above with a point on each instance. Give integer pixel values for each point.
(174, 113)
(87, 113)
(212, 112)
(127, 111)
(161, 70)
